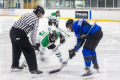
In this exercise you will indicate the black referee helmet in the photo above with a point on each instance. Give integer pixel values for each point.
(39, 10)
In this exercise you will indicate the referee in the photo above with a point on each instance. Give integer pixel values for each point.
(20, 42)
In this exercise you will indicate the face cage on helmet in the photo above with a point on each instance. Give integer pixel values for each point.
(57, 15)
(41, 15)
(53, 38)
(57, 12)
(69, 29)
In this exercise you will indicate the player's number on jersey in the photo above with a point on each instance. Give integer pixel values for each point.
(80, 22)
(42, 33)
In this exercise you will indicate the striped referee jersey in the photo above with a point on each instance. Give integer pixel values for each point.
(28, 22)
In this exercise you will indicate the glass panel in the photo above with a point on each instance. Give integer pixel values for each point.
(17, 4)
(7, 4)
(93, 3)
(49, 3)
(42, 3)
(1, 4)
(109, 3)
(115, 3)
(65, 3)
(13, 4)
(56, 3)
(62, 2)
(79, 3)
(101, 3)
(25, 1)
(87, 3)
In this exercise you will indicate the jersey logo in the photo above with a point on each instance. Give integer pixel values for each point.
(80, 22)
(43, 34)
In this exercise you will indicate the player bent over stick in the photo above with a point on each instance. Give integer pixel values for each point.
(81, 28)
(48, 40)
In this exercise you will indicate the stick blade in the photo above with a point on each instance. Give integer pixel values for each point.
(54, 71)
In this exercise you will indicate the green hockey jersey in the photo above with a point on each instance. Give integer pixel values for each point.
(54, 18)
(43, 38)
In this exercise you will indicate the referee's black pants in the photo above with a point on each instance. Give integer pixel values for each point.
(20, 43)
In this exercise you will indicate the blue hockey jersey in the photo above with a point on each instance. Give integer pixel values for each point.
(81, 26)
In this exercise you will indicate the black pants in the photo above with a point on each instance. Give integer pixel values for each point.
(20, 43)
(92, 42)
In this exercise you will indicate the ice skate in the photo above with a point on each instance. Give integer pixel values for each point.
(95, 66)
(36, 73)
(16, 69)
(88, 72)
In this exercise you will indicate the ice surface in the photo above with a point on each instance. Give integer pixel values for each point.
(108, 53)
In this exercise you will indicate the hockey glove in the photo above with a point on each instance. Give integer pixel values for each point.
(62, 40)
(50, 21)
(36, 46)
(71, 53)
(56, 25)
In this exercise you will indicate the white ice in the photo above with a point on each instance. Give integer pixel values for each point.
(108, 54)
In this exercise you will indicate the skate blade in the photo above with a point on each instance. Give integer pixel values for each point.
(16, 70)
(86, 74)
(36, 75)
(98, 71)
(88, 78)
(24, 66)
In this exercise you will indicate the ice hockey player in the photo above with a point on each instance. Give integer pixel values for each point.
(54, 19)
(80, 28)
(47, 40)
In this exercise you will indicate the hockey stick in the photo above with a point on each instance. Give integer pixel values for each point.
(57, 70)
(81, 42)
(54, 50)
(85, 35)
(91, 27)
(24, 62)
(57, 47)
(64, 32)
